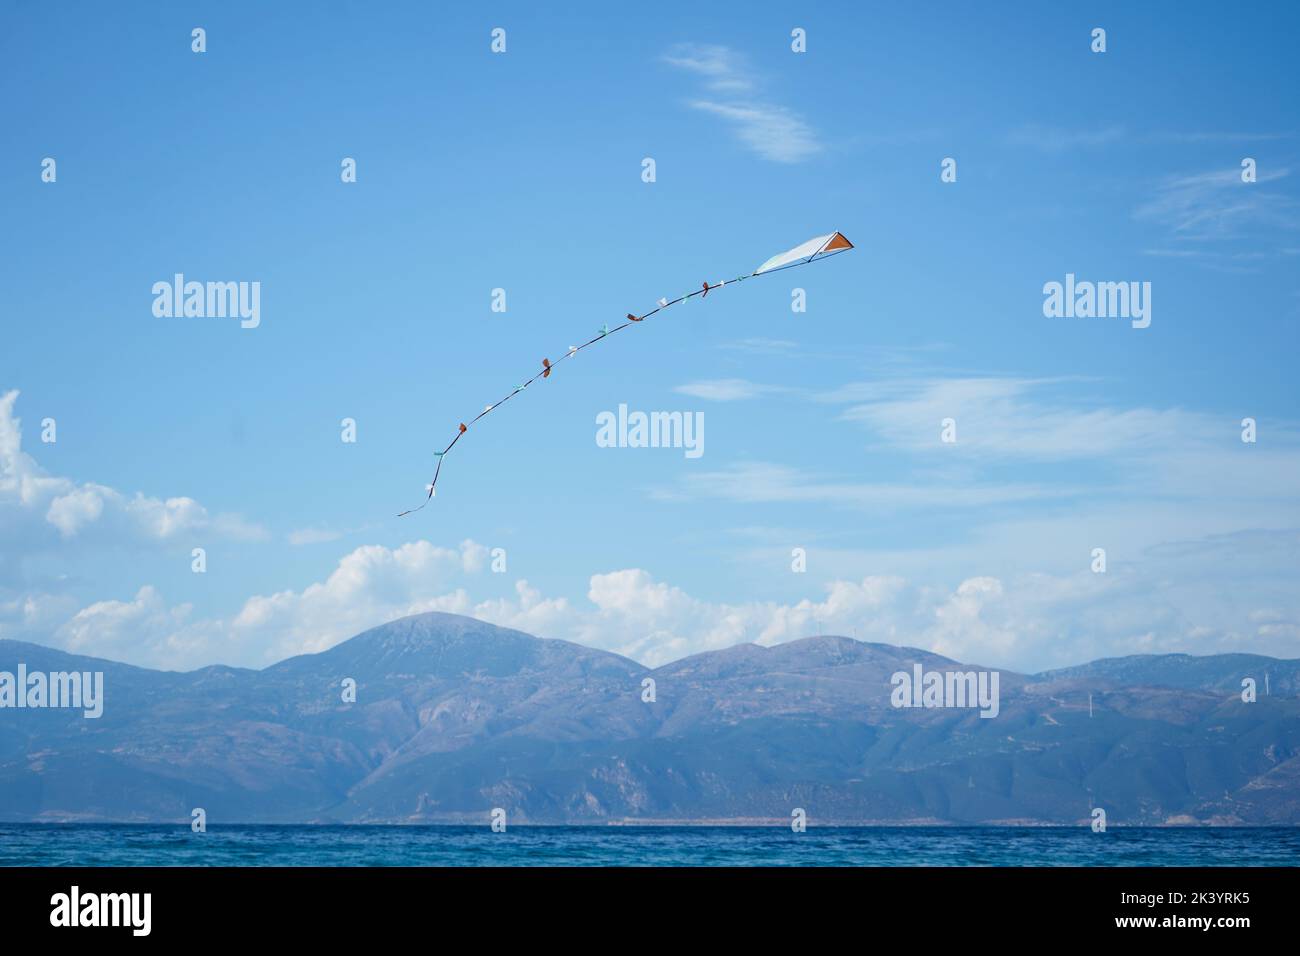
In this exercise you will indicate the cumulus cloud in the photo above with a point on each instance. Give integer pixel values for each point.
(142, 630)
(41, 511)
(34, 617)
(1163, 591)
(1024, 622)
(654, 622)
(1163, 603)
(371, 584)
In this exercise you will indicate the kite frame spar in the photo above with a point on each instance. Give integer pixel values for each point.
(823, 247)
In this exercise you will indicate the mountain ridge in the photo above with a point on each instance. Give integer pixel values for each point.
(454, 716)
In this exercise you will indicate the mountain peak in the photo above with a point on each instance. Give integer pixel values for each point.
(436, 642)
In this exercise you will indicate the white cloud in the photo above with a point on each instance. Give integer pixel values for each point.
(727, 389)
(1059, 139)
(40, 511)
(34, 617)
(1159, 601)
(774, 132)
(304, 536)
(371, 584)
(763, 346)
(141, 630)
(1024, 622)
(79, 507)
(723, 69)
(1210, 136)
(769, 483)
(1174, 453)
(1008, 417)
(1169, 568)
(1217, 205)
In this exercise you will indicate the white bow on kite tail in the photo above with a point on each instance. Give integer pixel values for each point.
(821, 247)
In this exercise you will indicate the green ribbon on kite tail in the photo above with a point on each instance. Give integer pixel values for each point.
(820, 247)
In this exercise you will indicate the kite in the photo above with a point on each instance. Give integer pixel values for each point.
(822, 247)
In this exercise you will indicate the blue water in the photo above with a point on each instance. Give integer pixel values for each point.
(151, 845)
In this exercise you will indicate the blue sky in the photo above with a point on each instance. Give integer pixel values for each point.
(523, 171)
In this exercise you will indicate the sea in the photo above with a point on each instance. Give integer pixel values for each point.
(308, 845)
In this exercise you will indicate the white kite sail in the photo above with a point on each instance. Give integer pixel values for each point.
(807, 252)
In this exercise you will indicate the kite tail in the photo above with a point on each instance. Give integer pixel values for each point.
(824, 246)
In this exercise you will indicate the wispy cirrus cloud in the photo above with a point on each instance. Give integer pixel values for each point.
(723, 70)
(761, 482)
(1032, 426)
(763, 346)
(1025, 417)
(773, 131)
(1183, 454)
(1060, 139)
(1214, 136)
(1003, 417)
(1217, 205)
(728, 389)
(304, 536)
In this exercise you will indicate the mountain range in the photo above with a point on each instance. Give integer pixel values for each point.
(454, 717)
